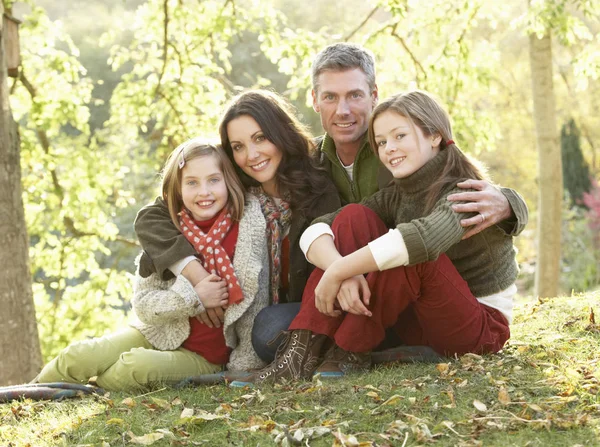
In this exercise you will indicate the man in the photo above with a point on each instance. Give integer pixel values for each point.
(344, 94)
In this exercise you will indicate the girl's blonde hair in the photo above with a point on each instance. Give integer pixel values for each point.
(425, 112)
(172, 177)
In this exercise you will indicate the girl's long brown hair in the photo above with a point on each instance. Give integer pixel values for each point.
(427, 114)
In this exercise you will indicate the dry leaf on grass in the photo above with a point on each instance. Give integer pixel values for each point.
(479, 405)
(503, 396)
(128, 402)
(147, 439)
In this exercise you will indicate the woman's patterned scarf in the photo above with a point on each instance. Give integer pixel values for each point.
(279, 217)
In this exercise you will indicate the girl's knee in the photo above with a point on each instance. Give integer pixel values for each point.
(129, 372)
(355, 210)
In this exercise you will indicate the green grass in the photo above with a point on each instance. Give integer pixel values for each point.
(543, 389)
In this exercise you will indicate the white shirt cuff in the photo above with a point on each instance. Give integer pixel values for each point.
(177, 267)
(312, 233)
(389, 250)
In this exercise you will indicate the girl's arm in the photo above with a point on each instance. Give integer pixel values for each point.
(155, 302)
(342, 278)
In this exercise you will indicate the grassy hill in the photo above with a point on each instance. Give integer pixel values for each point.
(543, 389)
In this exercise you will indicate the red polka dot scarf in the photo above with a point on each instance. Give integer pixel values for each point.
(208, 245)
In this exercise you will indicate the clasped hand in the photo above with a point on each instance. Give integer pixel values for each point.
(212, 292)
(352, 295)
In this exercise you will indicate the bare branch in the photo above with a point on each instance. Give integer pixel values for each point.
(165, 44)
(174, 109)
(410, 53)
(355, 30)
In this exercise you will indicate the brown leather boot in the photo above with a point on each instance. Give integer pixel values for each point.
(337, 362)
(297, 358)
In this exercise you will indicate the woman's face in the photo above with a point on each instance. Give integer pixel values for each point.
(253, 153)
(402, 146)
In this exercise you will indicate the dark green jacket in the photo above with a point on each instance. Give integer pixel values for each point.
(369, 174)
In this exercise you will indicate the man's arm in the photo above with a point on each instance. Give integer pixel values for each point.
(494, 206)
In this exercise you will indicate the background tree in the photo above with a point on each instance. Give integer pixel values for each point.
(20, 363)
(549, 165)
(576, 172)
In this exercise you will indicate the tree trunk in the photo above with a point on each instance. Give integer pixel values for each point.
(19, 343)
(549, 167)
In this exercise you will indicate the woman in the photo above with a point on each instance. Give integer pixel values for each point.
(272, 153)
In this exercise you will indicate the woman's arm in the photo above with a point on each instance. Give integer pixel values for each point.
(160, 238)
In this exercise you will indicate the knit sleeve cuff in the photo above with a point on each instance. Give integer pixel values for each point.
(389, 250)
(415, 246)
(311, 234)
(184, 288)
(515, 225)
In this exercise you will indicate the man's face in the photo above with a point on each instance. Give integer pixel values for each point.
(345, 104)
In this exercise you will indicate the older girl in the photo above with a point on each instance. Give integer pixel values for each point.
(436, 288)
(166, 342)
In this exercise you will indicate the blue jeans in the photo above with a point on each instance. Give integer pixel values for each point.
(268, 326)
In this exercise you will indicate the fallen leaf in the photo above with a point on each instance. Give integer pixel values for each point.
(345, 440)
(374, 396)
(161, 403)
(372, 388)
(503, 396)
(224, 408)
(443, 368)
(147, 439)
(186, 413)
(392, 400)
(168, 433)
(129, 402)
(535, 407)
(479, 405)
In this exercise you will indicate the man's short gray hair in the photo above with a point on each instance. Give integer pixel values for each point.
(344, 56)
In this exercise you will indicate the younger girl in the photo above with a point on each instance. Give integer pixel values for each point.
(435, 288)
(167, 343)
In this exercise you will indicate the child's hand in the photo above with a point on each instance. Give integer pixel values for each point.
(212, 317)
(212, 292)
(354, 296)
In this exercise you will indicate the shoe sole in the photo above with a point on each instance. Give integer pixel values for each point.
(240, 384)
(331, 374)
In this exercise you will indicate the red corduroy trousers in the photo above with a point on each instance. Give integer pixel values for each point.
(427, 304)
